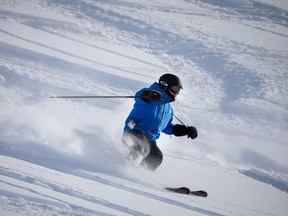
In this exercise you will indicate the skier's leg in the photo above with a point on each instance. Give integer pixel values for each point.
(155, 157)
(137, 142)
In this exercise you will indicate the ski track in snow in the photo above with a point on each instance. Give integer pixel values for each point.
(39, 183)
(87, 194)
(65, 156)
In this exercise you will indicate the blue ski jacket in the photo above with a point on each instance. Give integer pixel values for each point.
(151, 118)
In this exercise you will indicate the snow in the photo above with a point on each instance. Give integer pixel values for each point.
(65, 156)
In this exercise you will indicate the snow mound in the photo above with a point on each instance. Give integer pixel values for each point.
(276, 179)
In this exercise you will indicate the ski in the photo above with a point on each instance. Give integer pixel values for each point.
(186, 190)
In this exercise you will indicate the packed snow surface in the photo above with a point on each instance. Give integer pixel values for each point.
(65, 156)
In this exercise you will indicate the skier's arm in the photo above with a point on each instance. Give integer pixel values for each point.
(169, 128)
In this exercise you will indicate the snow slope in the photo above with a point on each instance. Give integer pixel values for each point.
(61, 156)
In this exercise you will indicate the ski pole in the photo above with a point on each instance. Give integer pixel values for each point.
(108, 96)
(179, 120)
(105, 96)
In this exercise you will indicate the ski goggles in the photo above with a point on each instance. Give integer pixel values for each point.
(175, 89)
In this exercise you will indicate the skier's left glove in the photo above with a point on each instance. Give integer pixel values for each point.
(182, 130)
(192, 132)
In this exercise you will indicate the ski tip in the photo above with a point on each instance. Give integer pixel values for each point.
(200, 193)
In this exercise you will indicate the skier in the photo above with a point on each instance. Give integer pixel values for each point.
(152, 114)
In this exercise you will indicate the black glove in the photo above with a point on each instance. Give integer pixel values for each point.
(192, 132)
(151, 96)
(182, 130)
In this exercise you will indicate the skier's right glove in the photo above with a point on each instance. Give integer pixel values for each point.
(151, 96)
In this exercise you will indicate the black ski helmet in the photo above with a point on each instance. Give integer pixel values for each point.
(168, 81)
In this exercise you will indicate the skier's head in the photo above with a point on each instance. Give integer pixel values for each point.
(171, 84)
